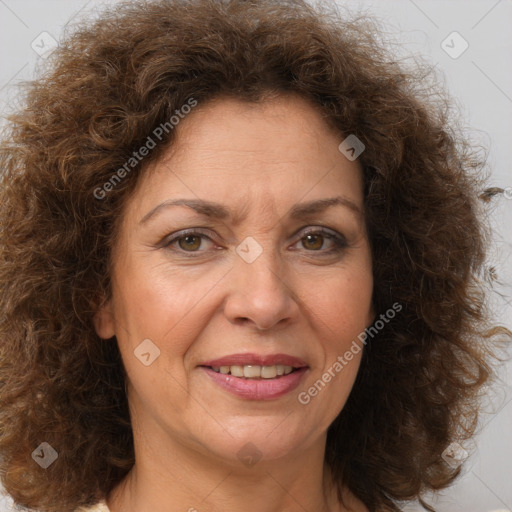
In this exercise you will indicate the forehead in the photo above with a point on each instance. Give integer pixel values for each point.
(234, 152)
(225, 124)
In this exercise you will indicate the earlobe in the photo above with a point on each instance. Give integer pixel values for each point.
(104, 321)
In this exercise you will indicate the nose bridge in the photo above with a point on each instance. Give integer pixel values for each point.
(259, 265)
(260, 290)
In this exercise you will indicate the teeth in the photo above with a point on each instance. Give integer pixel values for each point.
(237, 371)
(251, 371)
(268, 372)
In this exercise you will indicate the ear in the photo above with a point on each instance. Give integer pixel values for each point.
(104, 321)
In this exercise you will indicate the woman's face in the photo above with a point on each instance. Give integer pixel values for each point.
(276, 274)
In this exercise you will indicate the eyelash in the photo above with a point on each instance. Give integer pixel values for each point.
(339, 241)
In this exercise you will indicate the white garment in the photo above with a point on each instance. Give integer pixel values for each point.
(99, 507)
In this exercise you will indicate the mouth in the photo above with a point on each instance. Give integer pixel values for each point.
(256, 366)
(256, 377)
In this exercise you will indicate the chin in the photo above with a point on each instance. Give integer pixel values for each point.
(251, 443)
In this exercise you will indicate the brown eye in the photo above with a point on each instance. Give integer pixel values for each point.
(314, 242)
(189, 242)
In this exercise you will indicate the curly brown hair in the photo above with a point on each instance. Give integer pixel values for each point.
(108, 85)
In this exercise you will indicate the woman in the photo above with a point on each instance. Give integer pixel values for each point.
(241, 269)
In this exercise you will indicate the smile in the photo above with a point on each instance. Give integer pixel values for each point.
(256, 376)
(255, 371)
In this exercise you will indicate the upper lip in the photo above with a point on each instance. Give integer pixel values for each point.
(255, 360)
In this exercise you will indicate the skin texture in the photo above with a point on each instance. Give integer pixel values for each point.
(258, 160)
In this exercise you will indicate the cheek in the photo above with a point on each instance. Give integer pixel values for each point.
(163, 304)
(152, 305)
(341, 314)
(343, 307)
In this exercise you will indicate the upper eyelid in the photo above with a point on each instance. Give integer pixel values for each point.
(207, 231)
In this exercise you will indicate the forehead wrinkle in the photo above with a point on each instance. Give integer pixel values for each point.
(267, 210)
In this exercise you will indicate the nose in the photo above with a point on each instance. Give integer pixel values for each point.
(261, 293)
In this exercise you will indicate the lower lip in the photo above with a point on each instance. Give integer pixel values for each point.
(257, 389)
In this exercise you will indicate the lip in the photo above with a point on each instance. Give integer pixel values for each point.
(257, 360)
(257, 389)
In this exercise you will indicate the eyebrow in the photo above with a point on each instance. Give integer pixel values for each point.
(218, 211)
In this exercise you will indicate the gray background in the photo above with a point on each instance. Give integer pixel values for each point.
(480, 79)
